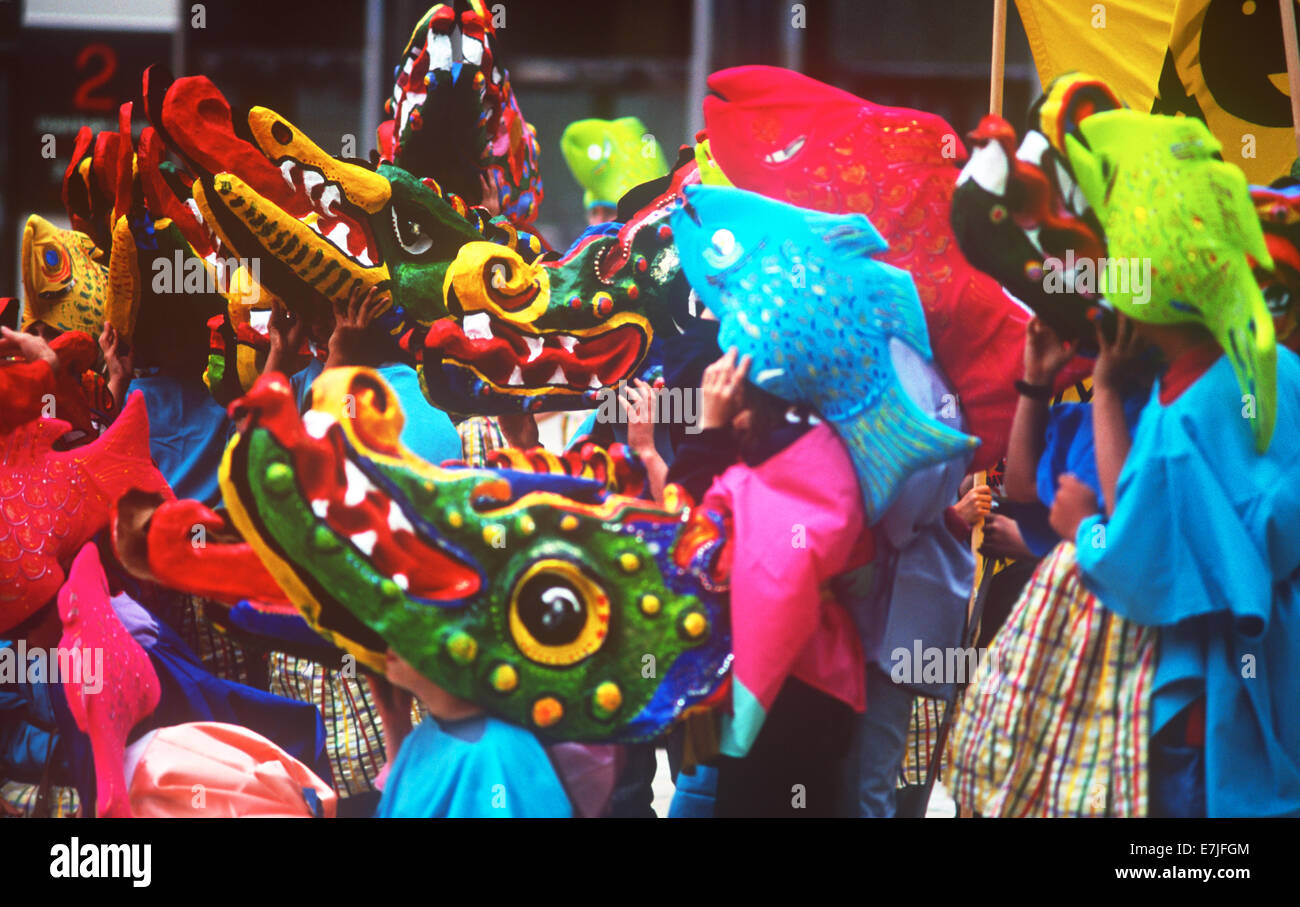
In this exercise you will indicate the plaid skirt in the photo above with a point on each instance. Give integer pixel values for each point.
(1056, 721)
(922, 736)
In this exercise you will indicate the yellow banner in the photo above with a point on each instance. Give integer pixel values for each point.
(1220, 60)
(1226, 64)
(1120, 41)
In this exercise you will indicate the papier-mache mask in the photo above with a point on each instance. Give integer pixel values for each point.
(801, 141)
(1278, 206)
(1165, 197)
(1018, 213)
(537, 597)
(455, 117)
(609, 157)
(52, 502)
(65, 278)
(803, 295)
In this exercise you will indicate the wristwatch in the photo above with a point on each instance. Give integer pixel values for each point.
(1034, 391)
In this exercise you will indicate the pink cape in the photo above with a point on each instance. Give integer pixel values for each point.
(797, 521)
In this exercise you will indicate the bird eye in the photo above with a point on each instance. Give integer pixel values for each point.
(411, 234)
(558, 615)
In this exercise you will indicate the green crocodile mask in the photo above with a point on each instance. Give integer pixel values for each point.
(544, 599)
(493, 326)
(1166, 198)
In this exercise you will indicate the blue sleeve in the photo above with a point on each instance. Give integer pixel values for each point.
(301, 382)
(429, 432)
(1175, 547)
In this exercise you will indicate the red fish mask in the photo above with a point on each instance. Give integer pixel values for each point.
(798, 140)
(52, 502)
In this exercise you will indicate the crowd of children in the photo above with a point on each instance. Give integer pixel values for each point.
(1126, 579)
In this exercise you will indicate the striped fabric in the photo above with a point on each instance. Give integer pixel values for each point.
(479, 436)
(1055, 723)
(922, 735)
(218, 653)
(18, 799)
(354, 732)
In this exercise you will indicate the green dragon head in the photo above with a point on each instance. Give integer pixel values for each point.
(494, 326)
(545, 599)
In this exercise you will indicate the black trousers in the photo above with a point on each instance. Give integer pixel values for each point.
(796, 766)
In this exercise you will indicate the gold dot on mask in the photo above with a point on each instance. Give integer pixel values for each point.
(504, 678)
(547, 711)
(629, 562)
(462, 648)
(695, 624)
(650, 604)
(607, 699)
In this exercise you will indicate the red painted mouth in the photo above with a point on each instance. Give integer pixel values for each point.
(347, 230)
(341, 493)
(511, 358)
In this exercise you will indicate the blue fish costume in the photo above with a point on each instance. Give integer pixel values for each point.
(802, 294)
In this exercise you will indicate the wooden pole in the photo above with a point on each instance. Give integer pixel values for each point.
(1292, 64)
(1000, 56)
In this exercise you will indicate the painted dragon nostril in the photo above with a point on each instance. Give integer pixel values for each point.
(281, 132)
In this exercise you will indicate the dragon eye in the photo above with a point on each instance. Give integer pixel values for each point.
(558, 615)
(411, 235)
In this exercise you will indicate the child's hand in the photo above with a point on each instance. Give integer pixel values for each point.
(488, 197)
(1116, 356)
(117, 354)
(639, 402)
(1074, 503)
(722, 390)
(975, 505)
(1045, 353)
(285, 330)
(519, 430)
(28, 346)
(349, 343)
(1002, 538)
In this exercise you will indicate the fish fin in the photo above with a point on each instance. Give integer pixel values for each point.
(891, 441)
(119, 459)
(898, 298)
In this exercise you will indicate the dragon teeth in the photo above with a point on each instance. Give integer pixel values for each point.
(472, 49)
(330, 200)
(401, 580)
(440, 52)
(558, 377)
(358, 484)
(317, 423)
(594, 383)
(535, 345)
(339, 236)
(516, 378)
(477, 326)
(320, 507)
(365, 541)
(286, 170)
(397, 520)
(567, 341)
(310, 180)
